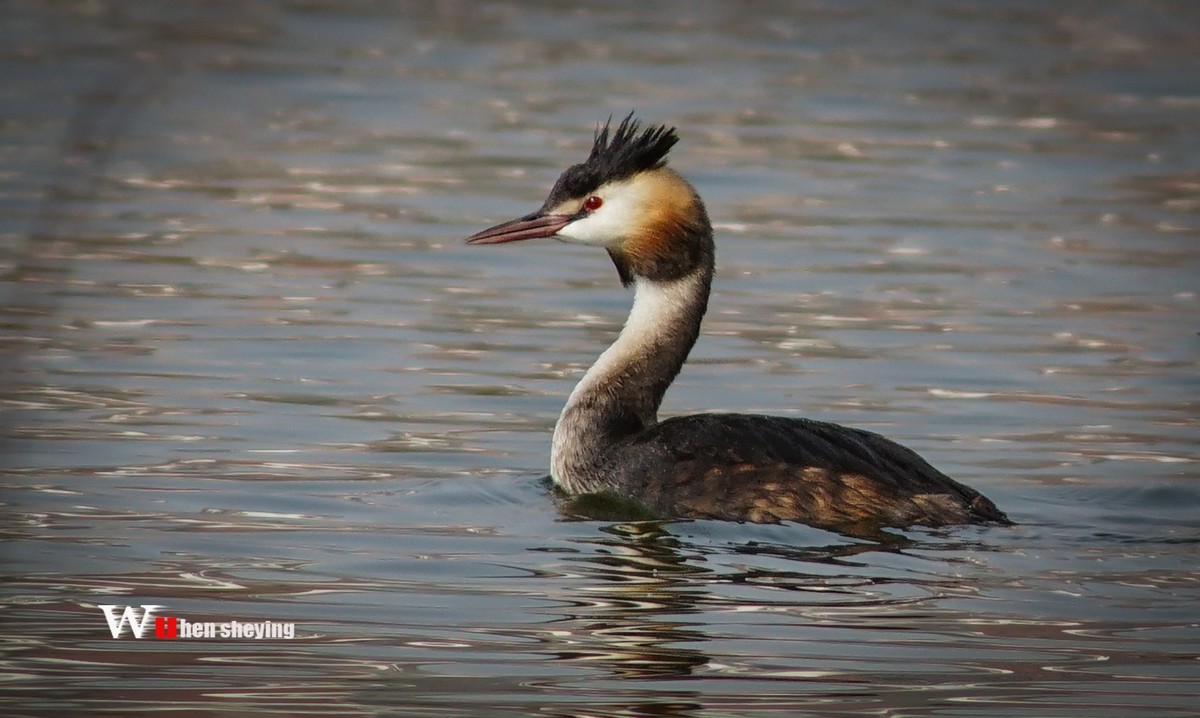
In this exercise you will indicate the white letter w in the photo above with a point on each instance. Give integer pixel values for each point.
(138, 625)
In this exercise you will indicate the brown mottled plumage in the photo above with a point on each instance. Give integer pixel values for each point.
(740, 467)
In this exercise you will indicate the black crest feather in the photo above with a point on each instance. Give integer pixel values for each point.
(615, 155)
(628, 153)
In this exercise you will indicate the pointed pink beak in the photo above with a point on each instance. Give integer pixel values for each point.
(531, 226)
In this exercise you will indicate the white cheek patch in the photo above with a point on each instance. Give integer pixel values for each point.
(610, 224)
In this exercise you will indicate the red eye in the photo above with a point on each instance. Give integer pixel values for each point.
(592, 203)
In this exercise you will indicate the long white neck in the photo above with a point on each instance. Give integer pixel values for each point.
(621, 393)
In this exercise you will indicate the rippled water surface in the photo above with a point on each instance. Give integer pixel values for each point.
(250, 371)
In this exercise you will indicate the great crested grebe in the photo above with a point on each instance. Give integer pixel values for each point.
(738, 467)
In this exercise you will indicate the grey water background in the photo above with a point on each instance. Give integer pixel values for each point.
(251, 372)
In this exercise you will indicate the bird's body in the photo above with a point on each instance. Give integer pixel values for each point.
(742, 467)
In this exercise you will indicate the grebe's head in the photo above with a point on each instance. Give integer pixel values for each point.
(623, 198)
